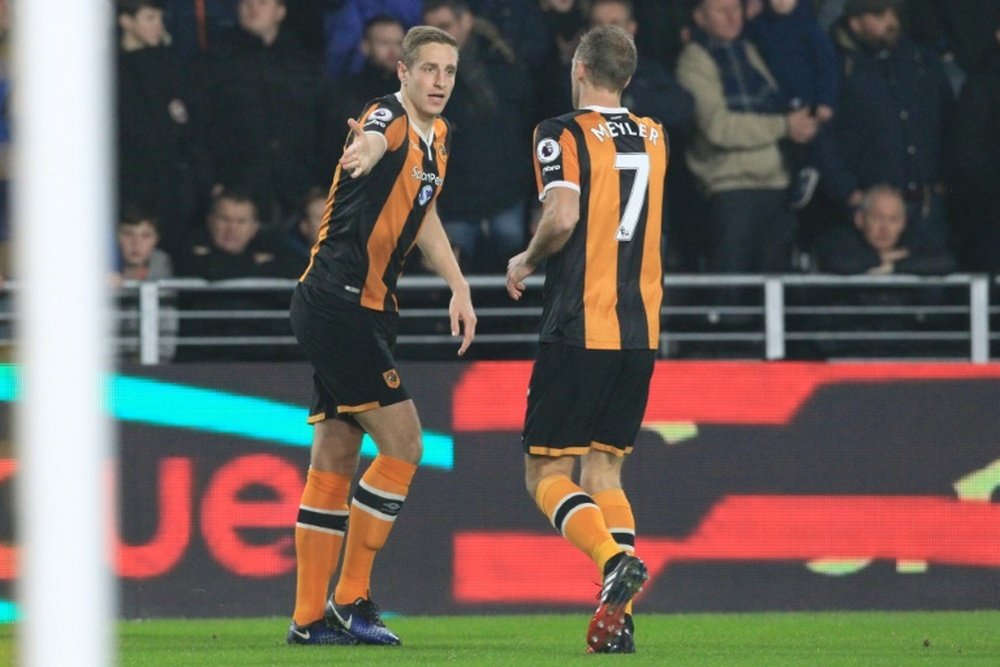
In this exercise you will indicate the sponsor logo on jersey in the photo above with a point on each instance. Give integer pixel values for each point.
(426, 177)
(547, 150)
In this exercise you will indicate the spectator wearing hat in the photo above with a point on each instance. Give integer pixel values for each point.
(894, 106)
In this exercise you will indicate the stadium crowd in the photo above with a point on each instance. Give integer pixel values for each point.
(782, 115)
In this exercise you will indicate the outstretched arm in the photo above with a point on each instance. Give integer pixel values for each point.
(364, 151)
(433, 242)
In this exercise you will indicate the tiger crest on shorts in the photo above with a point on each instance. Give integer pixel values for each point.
(391, 378)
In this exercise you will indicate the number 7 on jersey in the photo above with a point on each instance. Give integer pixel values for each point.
(639, 163)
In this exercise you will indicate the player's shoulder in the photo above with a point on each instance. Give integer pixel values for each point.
(647, 120)
(555, 125)
(441, 127)
(390, 101)
(651, 126)
(382, 111)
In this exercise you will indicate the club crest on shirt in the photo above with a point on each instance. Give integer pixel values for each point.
(391, 378)
(547, 150)
(178, 111)
(425, 195)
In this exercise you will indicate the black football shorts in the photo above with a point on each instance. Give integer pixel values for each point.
(581, 399)
(350, 349)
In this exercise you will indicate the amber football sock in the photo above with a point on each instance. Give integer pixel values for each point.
(319, 534)
(618, 516)
(377, 501)
(574, 514)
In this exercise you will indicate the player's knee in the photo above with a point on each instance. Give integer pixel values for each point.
(409, 449)
(595, 481)
(530, 483)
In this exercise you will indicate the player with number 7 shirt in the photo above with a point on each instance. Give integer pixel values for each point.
(601, 172)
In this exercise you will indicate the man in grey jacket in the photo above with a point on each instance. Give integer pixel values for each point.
(740, 118)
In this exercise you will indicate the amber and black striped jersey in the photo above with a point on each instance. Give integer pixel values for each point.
(604, 288)
(371, 222)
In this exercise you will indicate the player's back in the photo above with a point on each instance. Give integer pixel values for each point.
(605, 287)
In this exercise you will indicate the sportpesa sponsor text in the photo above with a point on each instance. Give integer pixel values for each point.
(426, 177)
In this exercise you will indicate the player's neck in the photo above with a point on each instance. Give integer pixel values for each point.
(423, 122)
(599, 97)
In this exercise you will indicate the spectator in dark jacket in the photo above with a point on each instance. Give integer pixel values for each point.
(653, 90)
(740, 119)
(344, 30)
(895, 103)
(196, 25)
(163, 164)
(958, 32)
(664, 27)
(879, 244)
(522, 25)
(565, 22)
(976, 140)
(234, 246)
(970, 29)
(382, 46)
(489, 169)
(800, 56)
(270, 112)
(798, 53)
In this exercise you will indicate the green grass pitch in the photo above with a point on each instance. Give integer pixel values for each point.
(795, 639)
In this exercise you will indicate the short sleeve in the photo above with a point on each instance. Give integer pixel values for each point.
(555, 159)
(390, 123)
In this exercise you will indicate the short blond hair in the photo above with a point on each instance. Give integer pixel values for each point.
(419, 35)
(609, 54)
